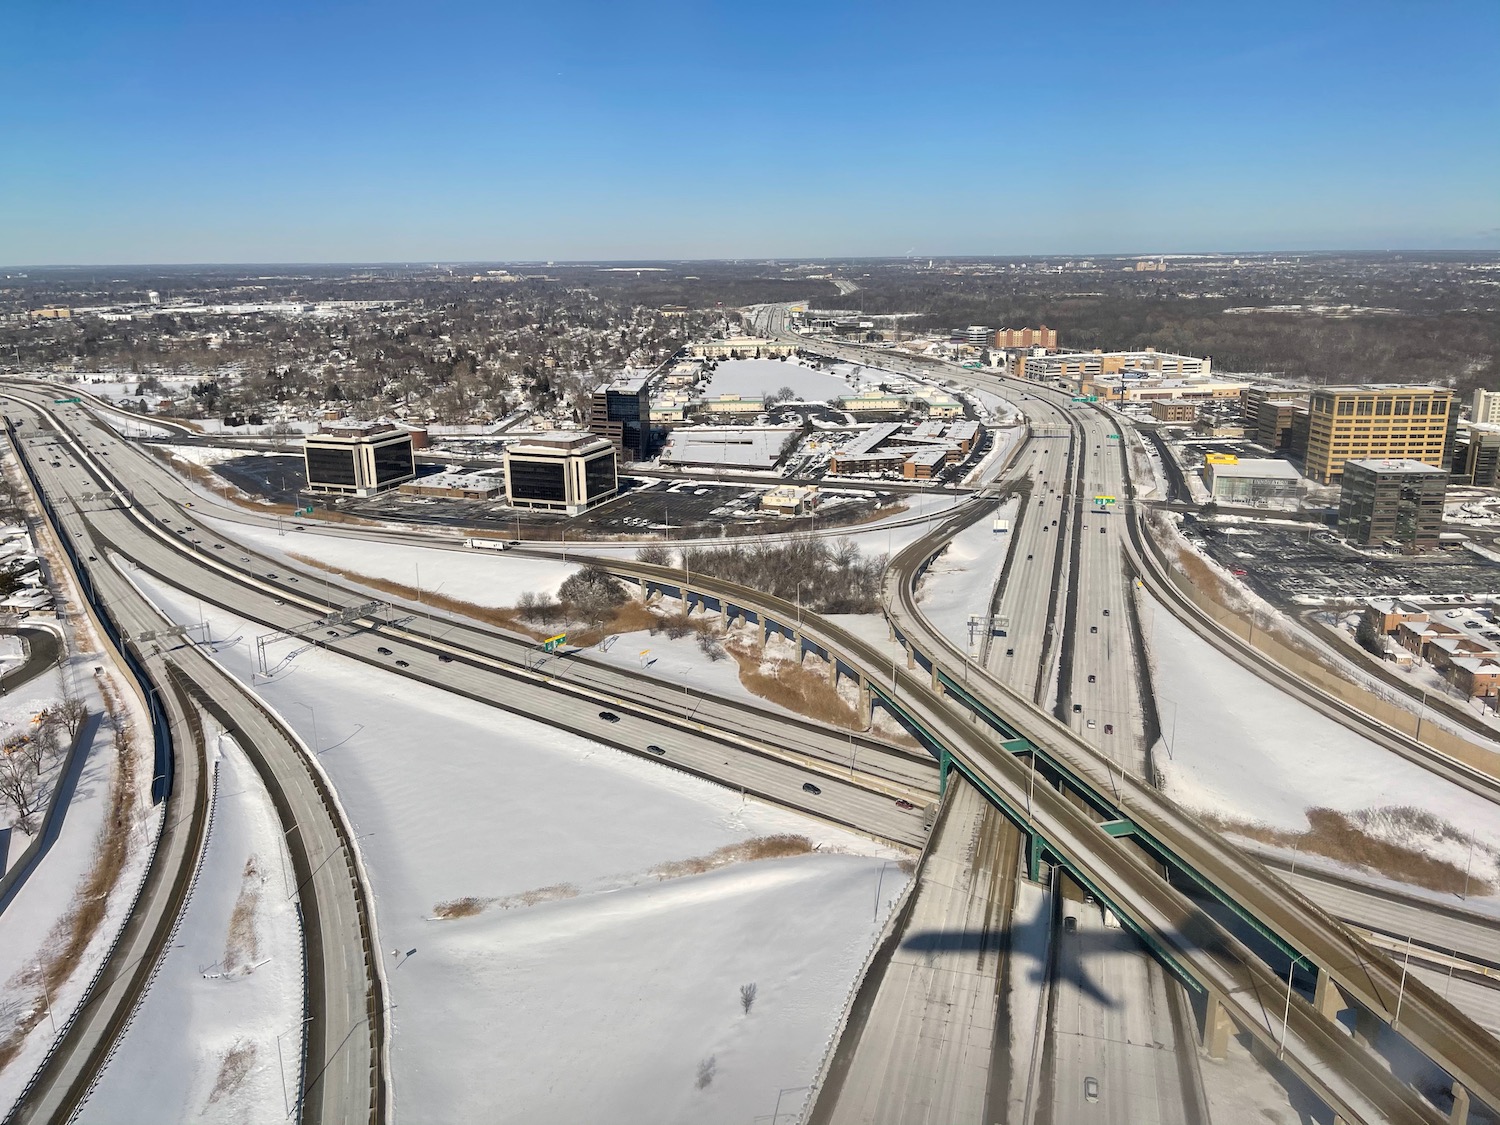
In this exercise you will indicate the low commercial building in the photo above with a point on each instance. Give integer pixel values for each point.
(756, 448)
(877, 402)
(1255, 481)
(1392, 501)
(743, 347)
(560, 472)
(1173, 411)
(924, 464)
(731, 405)
(789, 500)
(357, 458)
(454, 486)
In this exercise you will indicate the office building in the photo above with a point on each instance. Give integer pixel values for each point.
(1362, 422)
(1476, 457)
(1041, 337)
(1485, 408)
(357, 458)
(978, 336)
(621, 412)
(743, 347)
(560, 472)
(1257, 482)
(1392, 501)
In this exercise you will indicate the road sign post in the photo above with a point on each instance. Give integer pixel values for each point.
(552, 644)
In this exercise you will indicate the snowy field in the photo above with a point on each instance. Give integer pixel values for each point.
(576, 983)
(1240, 748)
(487, 578)
(204, 1044)
(751, 377)
(960, 581)
(28, 920)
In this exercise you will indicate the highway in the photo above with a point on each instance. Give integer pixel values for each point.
(1350, 1081)
(344, 1077)
(1355, 1083)
(926, 1035)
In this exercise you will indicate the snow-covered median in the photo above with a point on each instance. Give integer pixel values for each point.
(582, 983)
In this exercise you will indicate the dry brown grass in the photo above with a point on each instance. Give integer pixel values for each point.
(233, 1068)
(1339, 837)
(70, 935)
(468, 907)
(242, 946)
(796, 689)
(746, 851)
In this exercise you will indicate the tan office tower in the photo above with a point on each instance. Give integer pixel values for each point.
(1375, 422)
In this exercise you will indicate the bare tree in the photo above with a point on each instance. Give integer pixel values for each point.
(18, 788)
(73, 712)
(709, 646)
(747, 996)
(593, 593)
(655, 554)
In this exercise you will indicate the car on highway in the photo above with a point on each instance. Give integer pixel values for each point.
(809, 787)
(383, 651)
(653, 748)
(1010, 652)
(403, 664)
(1238, 572)
(609, 716)
(218, 546)
(445, 658)
(1070, 924)
(1091, 1089)
(1077, 708)
(1109, 728)
(1093, 628)
(1106, 613)
(1091, 724)
(272, 574)
(905, 805)
(1102, 530)
(1091, 677)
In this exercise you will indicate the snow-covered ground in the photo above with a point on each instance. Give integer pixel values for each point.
(204, 1044)
(960, 581)
(31, 930)
(488, 578)
(750, 377)
(584, 986)
(1236, 746)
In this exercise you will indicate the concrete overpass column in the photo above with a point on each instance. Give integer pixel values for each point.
(1367, 1026)
(866, 702)
(833, 670)
(1216, 1028)
(764, 629)
(1328, 998)
(937, 686)
(1460, 1112)
(911, 656)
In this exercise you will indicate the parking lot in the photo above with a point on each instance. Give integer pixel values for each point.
(1283, 563)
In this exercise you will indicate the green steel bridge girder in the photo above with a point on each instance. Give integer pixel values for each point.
(1037, 846)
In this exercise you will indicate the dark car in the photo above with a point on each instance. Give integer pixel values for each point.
(905, 805)
(1106, 613)
(1093, 628)
(1091, 678)
(1109, 728)
(383, 651)
(1010, 652)
(609, 716)
(1077, 707)
(445, 658)
(653, 748)
(809, 787)
(403, 664)
(1070, 924)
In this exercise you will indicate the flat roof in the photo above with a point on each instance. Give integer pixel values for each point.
(751, 447)
(1395, 465)
(1258, 467)
(558, 441)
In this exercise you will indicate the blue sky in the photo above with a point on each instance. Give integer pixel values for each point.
(461, 130)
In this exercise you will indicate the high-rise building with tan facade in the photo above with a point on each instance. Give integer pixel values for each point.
(1486, 407)
(1347, 423)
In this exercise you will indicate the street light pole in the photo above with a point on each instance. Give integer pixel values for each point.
(317, 743)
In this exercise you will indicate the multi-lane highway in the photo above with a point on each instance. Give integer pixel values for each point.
(1355, 1083)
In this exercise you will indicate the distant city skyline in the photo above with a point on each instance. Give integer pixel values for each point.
(176, 133)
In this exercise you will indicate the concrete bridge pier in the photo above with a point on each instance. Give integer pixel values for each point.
(1217, 1028)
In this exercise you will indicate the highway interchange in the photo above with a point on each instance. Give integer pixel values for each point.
(1074, 574)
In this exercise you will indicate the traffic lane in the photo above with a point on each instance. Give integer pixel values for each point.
(909, 772)
(330, 895)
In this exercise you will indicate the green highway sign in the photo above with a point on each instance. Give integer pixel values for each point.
(552, 644)
(1114, 437)
(1103, 500)
(307, 511)
(65, 401)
